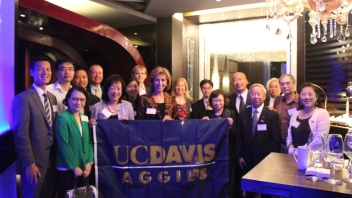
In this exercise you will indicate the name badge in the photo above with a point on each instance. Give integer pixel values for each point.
(55, 108)
(291, 111)
(261, 127)
(84, 118)
(151, 111)
(295, 124)
(190, 109)
(106, 113)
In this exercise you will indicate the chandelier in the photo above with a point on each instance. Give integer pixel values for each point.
(322, 13)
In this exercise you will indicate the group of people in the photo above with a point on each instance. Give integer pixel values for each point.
(51, 121)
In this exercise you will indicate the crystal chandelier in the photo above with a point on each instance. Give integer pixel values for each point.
(322, 13)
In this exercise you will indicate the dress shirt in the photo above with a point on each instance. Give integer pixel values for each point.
(260, 109)
(142, 90)
(271, 101)
(238, 99)
(205, 102)
(92, 89)
(41, 92)
(59, 94)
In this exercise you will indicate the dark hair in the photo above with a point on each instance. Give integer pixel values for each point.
(215, 94)
(204, 82)
(36, 59)
(69, 93)
(128, 81)
(64, 59)
(108, 82)
(78, 68)
(316, 90)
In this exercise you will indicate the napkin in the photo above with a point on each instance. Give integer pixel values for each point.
(320, 172)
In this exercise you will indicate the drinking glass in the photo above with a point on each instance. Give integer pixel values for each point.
(348, 151)
(315, 148)
(334, 150)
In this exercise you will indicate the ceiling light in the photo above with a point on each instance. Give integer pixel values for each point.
(218, 0)
(22, 15)
(323, 13)
(135, 33)
(41, 28)
(136, 46)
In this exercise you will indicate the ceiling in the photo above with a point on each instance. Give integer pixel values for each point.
(140, 16)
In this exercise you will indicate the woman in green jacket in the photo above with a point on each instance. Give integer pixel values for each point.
(75, 149)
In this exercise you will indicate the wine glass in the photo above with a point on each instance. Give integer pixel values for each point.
(348, 151)
(334, 150)
(315, 148)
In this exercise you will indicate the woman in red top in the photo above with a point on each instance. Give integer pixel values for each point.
(183, 99)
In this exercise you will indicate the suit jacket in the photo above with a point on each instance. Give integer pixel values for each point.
(232, 103)
(198, 110)
(90, 91)
(147, 101)
(254, 149)
(91, 101)
(33, 135)
(73, 149)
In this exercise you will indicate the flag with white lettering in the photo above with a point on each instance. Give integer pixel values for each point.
(162, 159)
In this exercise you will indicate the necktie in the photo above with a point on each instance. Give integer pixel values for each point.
(242, 106)
(97, 93)
(47, 108)
(254, 121)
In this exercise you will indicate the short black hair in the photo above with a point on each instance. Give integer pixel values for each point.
(36, 59)
(77, 68)
(204, 82)
(113, 79)
(64, 59)
(215, 94)
(69, 93)
(316, 90)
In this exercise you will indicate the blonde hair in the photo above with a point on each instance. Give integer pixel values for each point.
(159, 70)
(138, 67)
(178, 80)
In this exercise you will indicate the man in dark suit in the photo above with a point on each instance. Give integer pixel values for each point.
(199, 108)
(33, 118)
(258, 132)
(240, 99)
(274, 90)
(81, 79)
(95, 78)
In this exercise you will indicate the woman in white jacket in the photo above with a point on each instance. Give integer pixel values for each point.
(310, 118)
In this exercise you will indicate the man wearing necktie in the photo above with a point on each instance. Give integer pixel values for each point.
(258, 132)
(95, 78)
(240, 99)
(33, 117)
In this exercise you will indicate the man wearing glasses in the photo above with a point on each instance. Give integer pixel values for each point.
(64, 70)
(258, 132)
(286, 105)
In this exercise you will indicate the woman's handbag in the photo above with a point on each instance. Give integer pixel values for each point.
(88, 191)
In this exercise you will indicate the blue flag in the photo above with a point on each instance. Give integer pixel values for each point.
(136, 159)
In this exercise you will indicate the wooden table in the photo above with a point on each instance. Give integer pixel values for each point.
(278, 175)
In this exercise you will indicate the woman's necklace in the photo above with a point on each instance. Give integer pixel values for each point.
(116, 110)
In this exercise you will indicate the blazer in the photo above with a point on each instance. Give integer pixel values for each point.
(198, 110)
(254, 149)
(232, 103)
(91, 101)
(319, 122)
(147, 102)
(74, 150)
(90, 91)
(126, 110)
(33, 135)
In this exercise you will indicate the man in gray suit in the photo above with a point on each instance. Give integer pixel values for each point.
(33, 115)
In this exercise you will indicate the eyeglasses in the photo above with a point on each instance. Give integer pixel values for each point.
(218, 101)
(70, 69)
(75, 100)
